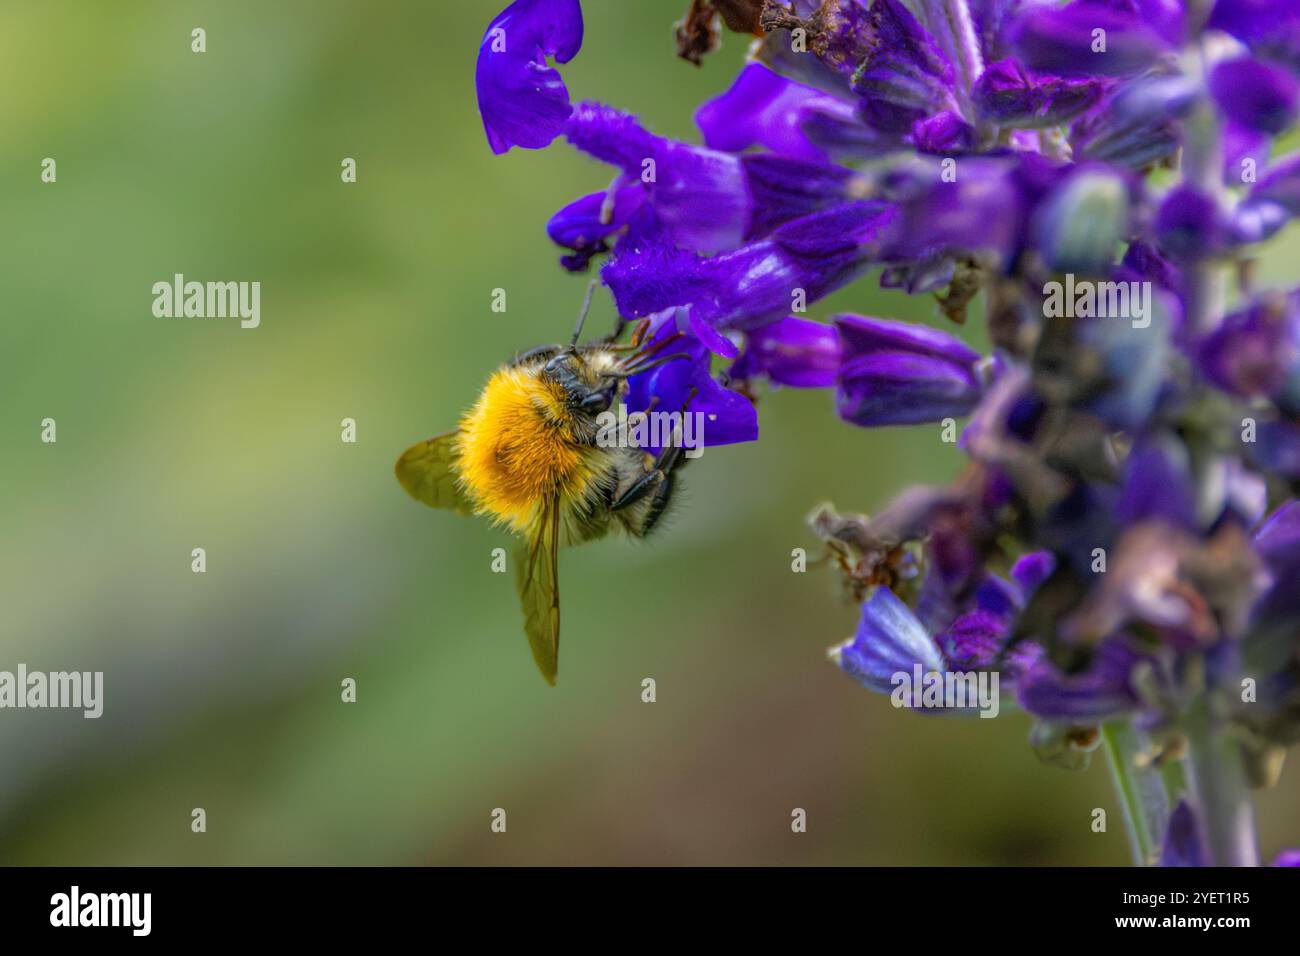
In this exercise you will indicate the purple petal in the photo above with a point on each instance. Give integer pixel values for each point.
(974, 640)
(729, 417)
(1256, 94)
(1010, 95)
(762, 108)
(1191, 225)
(713, 340)
(893, 373)
(1182, 844)
(585, 223)
(699, 194)
(1265, 25)
(1158, 485)
(754, 284)
(1278, 541)
(1104, 690)
(889, 640)
(523, 101)
(1240, 143)
(791, 351)
(710, 201)
(1277, 448)
(1031, 570)
(1065, 40)
(1289, 857)
(944, 132)
(1275, 197)
(906, 77)
(1135, 124)
(984, 213)
(1253, 352)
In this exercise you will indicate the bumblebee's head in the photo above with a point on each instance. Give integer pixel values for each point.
(590, 381)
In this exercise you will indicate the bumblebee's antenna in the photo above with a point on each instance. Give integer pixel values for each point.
(582, 316)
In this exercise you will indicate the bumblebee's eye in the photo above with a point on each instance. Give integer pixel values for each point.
(597, 401)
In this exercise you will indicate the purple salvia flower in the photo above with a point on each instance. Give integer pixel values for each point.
(893, 373)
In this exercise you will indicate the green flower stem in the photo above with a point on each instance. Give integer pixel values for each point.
(1202, 167)
(1141, 791)
(1220, 792)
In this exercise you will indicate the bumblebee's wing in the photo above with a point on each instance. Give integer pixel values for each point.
(427, 472)
(537, 578)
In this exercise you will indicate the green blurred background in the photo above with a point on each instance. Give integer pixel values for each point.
(222, 689)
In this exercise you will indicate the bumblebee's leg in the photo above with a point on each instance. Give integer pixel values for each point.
(658, 504)
(659, 474)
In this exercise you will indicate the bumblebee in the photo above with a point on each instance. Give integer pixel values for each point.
(526, 455)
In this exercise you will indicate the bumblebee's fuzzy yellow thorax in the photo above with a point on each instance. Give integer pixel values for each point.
(516, 447)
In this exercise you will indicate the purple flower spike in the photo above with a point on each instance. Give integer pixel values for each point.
(791, 351)
(1010, 95)
(1087, 37)
(889, 640)
(895, 373)
(1256, 94)
(523, 101)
